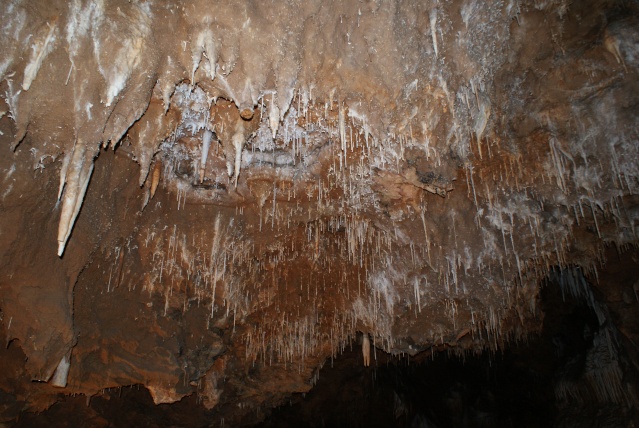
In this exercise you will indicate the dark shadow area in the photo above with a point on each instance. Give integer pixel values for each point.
(575, 373)
(552, 380)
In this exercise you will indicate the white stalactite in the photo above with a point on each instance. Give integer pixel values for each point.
(481, 120)
(274, 116)
(342, 130)
(204, 45)
(238, 145)
(120, 74)
(117, 62)
(63, 173)
(206, 144)
(433, 29)
(59, 378)
(77, 179)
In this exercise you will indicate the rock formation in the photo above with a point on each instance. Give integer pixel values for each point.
(212, 198)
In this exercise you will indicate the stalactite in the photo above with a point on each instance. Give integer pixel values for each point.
(349, 163)
(155, 179)
(238, 145)
(61, 373)
(273, 116)
(206, 144)
(77, 178)
(205, 47)
(366, 349)
(611, 43)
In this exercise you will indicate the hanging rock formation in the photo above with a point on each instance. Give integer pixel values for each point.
(285, 174)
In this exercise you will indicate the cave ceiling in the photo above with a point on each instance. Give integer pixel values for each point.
(214, 198)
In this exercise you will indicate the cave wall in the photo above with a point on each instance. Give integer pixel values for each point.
(214, 198)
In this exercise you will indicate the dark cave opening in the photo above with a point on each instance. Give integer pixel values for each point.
(513, 387)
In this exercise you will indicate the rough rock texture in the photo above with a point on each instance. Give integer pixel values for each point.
(211, 199)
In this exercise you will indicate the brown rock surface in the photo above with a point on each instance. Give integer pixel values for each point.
(415, 171)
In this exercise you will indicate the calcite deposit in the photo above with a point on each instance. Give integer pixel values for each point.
(212, 199)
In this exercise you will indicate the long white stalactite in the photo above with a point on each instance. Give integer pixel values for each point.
(206, 144)
(77, 181)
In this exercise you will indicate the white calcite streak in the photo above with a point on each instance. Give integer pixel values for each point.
(40, 49)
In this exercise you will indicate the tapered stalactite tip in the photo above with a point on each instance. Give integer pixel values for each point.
(61, 245)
